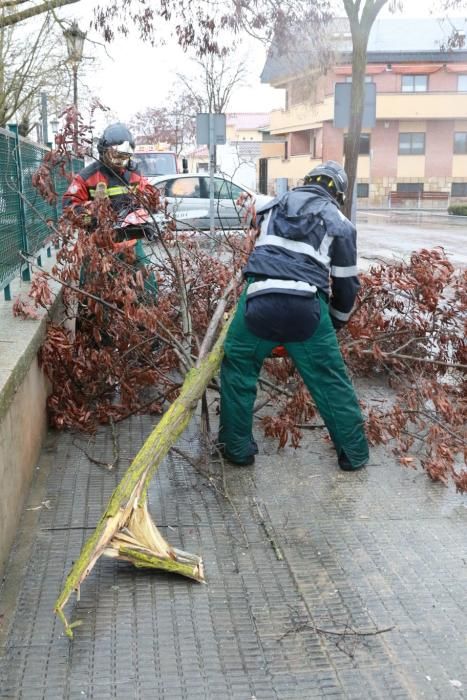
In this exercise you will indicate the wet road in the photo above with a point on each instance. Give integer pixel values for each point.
(396, 234)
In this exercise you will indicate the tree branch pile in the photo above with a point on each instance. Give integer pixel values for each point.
(408, 328)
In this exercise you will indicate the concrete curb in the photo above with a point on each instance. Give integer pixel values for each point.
(23, 418)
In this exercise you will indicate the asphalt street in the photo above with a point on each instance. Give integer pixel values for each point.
(389, 235)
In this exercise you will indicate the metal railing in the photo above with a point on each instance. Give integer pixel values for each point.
(23, 212)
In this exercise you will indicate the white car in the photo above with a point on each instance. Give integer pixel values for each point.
(188, 200)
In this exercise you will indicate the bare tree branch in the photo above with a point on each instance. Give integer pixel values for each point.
(7, 20)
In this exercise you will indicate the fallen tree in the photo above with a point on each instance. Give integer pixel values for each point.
(407, 329)
(126, 530)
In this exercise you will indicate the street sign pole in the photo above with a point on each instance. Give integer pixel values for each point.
(211, 173)
(210, 131)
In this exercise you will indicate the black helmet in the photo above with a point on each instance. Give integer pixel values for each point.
(116, 135)
(332, 170)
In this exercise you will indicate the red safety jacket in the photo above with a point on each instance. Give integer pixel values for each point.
(98, 179)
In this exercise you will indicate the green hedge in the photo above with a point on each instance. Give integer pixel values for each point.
(458, 209)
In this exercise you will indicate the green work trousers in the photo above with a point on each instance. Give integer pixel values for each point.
(320, 364)
(142, 260)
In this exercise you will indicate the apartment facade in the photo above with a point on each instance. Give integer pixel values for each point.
(419, 142)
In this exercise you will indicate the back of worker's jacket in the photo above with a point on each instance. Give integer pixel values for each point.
(306, 243)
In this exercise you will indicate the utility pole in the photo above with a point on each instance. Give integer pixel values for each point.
(212, 150)
(210, 130)
(44, 118)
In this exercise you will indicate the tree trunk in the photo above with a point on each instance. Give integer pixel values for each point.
(126, 530)
(352, 145)
(361, 19)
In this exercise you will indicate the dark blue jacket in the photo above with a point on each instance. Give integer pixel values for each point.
(305, 242)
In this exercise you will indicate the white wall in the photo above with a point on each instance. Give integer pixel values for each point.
(240, 166)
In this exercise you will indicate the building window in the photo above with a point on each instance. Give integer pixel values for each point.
(300, 142)
(460, 142)
(364, 149)
(412, 144)
(414, 83)
(462, 83)
(363, 189)
(410, 187)
(459, 189)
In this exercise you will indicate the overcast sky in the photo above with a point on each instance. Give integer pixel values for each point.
(130, 76)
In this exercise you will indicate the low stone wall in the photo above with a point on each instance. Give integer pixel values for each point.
(23, 420)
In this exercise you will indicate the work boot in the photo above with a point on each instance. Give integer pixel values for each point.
(346, 466)
(253, 446)
(246, 462)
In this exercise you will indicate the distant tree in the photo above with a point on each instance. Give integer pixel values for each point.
(206, 88)
(30, 64)
(214, 80)
(454, 5)
(173, 123)
(456, 40)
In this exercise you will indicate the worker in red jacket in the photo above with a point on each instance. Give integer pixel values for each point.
(113, 176)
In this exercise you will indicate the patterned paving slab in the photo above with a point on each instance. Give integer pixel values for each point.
(306, 566)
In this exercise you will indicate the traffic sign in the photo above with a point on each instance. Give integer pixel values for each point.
(342, 96)
(202, 129)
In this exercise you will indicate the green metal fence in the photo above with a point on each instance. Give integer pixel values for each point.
(23, 212)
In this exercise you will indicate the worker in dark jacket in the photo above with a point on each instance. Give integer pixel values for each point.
(113, 176)
(301, 286)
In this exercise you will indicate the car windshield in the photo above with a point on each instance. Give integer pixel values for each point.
(151, 164)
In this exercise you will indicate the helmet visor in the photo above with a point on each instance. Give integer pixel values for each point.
(118, 156)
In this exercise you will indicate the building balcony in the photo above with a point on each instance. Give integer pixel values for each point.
(296, 167)
(389, 106)
(459, 166)
(301, 116)
(427, 105)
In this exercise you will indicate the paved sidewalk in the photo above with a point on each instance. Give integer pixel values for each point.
(363, 552)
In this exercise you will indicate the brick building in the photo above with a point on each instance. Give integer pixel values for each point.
(419, 142)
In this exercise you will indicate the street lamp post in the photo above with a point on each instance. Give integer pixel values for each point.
(54, 127)
(74, 42)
